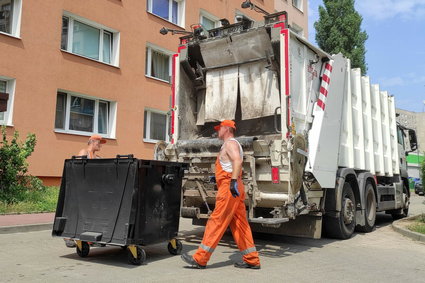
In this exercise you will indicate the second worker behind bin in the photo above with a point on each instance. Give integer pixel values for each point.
(229, 208)
(94, 145)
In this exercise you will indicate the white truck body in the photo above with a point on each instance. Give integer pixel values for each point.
(320, 142)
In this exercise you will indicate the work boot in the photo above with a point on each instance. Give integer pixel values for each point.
(70, 243)
(244, 264)
(191, 261)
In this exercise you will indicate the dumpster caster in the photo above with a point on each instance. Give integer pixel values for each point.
(175, 247)
(83, 248)
(136, 255)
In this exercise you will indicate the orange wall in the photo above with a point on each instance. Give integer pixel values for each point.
(41, 68)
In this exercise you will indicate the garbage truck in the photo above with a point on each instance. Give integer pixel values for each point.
(321, 144)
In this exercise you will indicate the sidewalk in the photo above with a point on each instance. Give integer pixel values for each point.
(26, 222)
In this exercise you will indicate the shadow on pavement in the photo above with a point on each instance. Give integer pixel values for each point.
(117, 257)
(272, 246)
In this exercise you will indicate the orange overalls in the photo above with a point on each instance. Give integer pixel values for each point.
(231, 211)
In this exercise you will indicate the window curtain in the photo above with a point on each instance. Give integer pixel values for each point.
(107, 44)
(102, 125)
(2, 89)
(158, 126)
(82, 114)
(6, 15)
(160, 66)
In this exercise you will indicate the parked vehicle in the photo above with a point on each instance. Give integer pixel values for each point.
(320, 142)
(419, 189)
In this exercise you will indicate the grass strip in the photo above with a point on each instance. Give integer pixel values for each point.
(44, 200)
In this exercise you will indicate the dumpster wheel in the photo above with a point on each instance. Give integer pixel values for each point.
(83, 248)
(175, 247)
(136, 255)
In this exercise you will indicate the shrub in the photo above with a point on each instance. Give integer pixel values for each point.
(14, 180)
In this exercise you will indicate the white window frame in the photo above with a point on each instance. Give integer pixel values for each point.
(204, 14)
(10, 89)
(148, 61)
(111, 119)
(16, 20)
(180, 13)
(147, 124)
(300, 4)
(115, 48)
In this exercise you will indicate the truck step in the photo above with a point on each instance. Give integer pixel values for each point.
(268, 221)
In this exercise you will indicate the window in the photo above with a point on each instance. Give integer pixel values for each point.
(158, 63)
(156, 126)
(7, 85)
(400, 136)
(297, 29)
(170, 10)
(10, 17)
(208, 21)
(298, 4)
(88, 39)
(84, 115)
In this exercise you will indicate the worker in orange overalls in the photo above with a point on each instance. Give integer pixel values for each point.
(229, 205)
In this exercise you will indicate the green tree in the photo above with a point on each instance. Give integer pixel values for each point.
(422, 171)
(14, 180)
(338, 30)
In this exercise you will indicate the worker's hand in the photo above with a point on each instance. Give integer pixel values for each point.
(213, 180)
(234, 188)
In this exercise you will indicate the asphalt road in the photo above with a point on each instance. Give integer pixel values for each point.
(380, 256)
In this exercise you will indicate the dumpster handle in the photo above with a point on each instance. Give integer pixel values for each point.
(79, 157)
(125, 156)
(119, 208)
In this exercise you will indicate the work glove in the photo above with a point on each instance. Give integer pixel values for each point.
(234, 188)
(213, 180)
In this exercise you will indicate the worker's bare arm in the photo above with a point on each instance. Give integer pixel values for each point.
(82, 152)
(232, 150)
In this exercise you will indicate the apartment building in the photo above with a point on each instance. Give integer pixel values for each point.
(74, 68)
(415, 121)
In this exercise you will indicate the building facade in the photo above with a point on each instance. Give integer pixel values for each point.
(74, 68)
(415, 121)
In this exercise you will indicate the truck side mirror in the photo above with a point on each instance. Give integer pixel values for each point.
(413, 140)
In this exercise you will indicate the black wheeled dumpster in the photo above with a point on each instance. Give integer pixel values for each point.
(122, 201)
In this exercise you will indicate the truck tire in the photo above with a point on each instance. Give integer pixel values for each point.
(342, 227)
(370, 210)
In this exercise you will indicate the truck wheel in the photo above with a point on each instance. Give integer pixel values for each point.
(403, 212)
(342, 227)
(370, 210)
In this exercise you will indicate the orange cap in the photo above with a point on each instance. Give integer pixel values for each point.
(98, 138)
(228, 123)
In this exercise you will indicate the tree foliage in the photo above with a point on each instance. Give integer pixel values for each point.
(14, 180)
(338, 30)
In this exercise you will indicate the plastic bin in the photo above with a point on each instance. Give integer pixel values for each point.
(123, 201)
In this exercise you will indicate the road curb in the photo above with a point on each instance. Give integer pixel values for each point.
(406, 232)
(25, 228)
